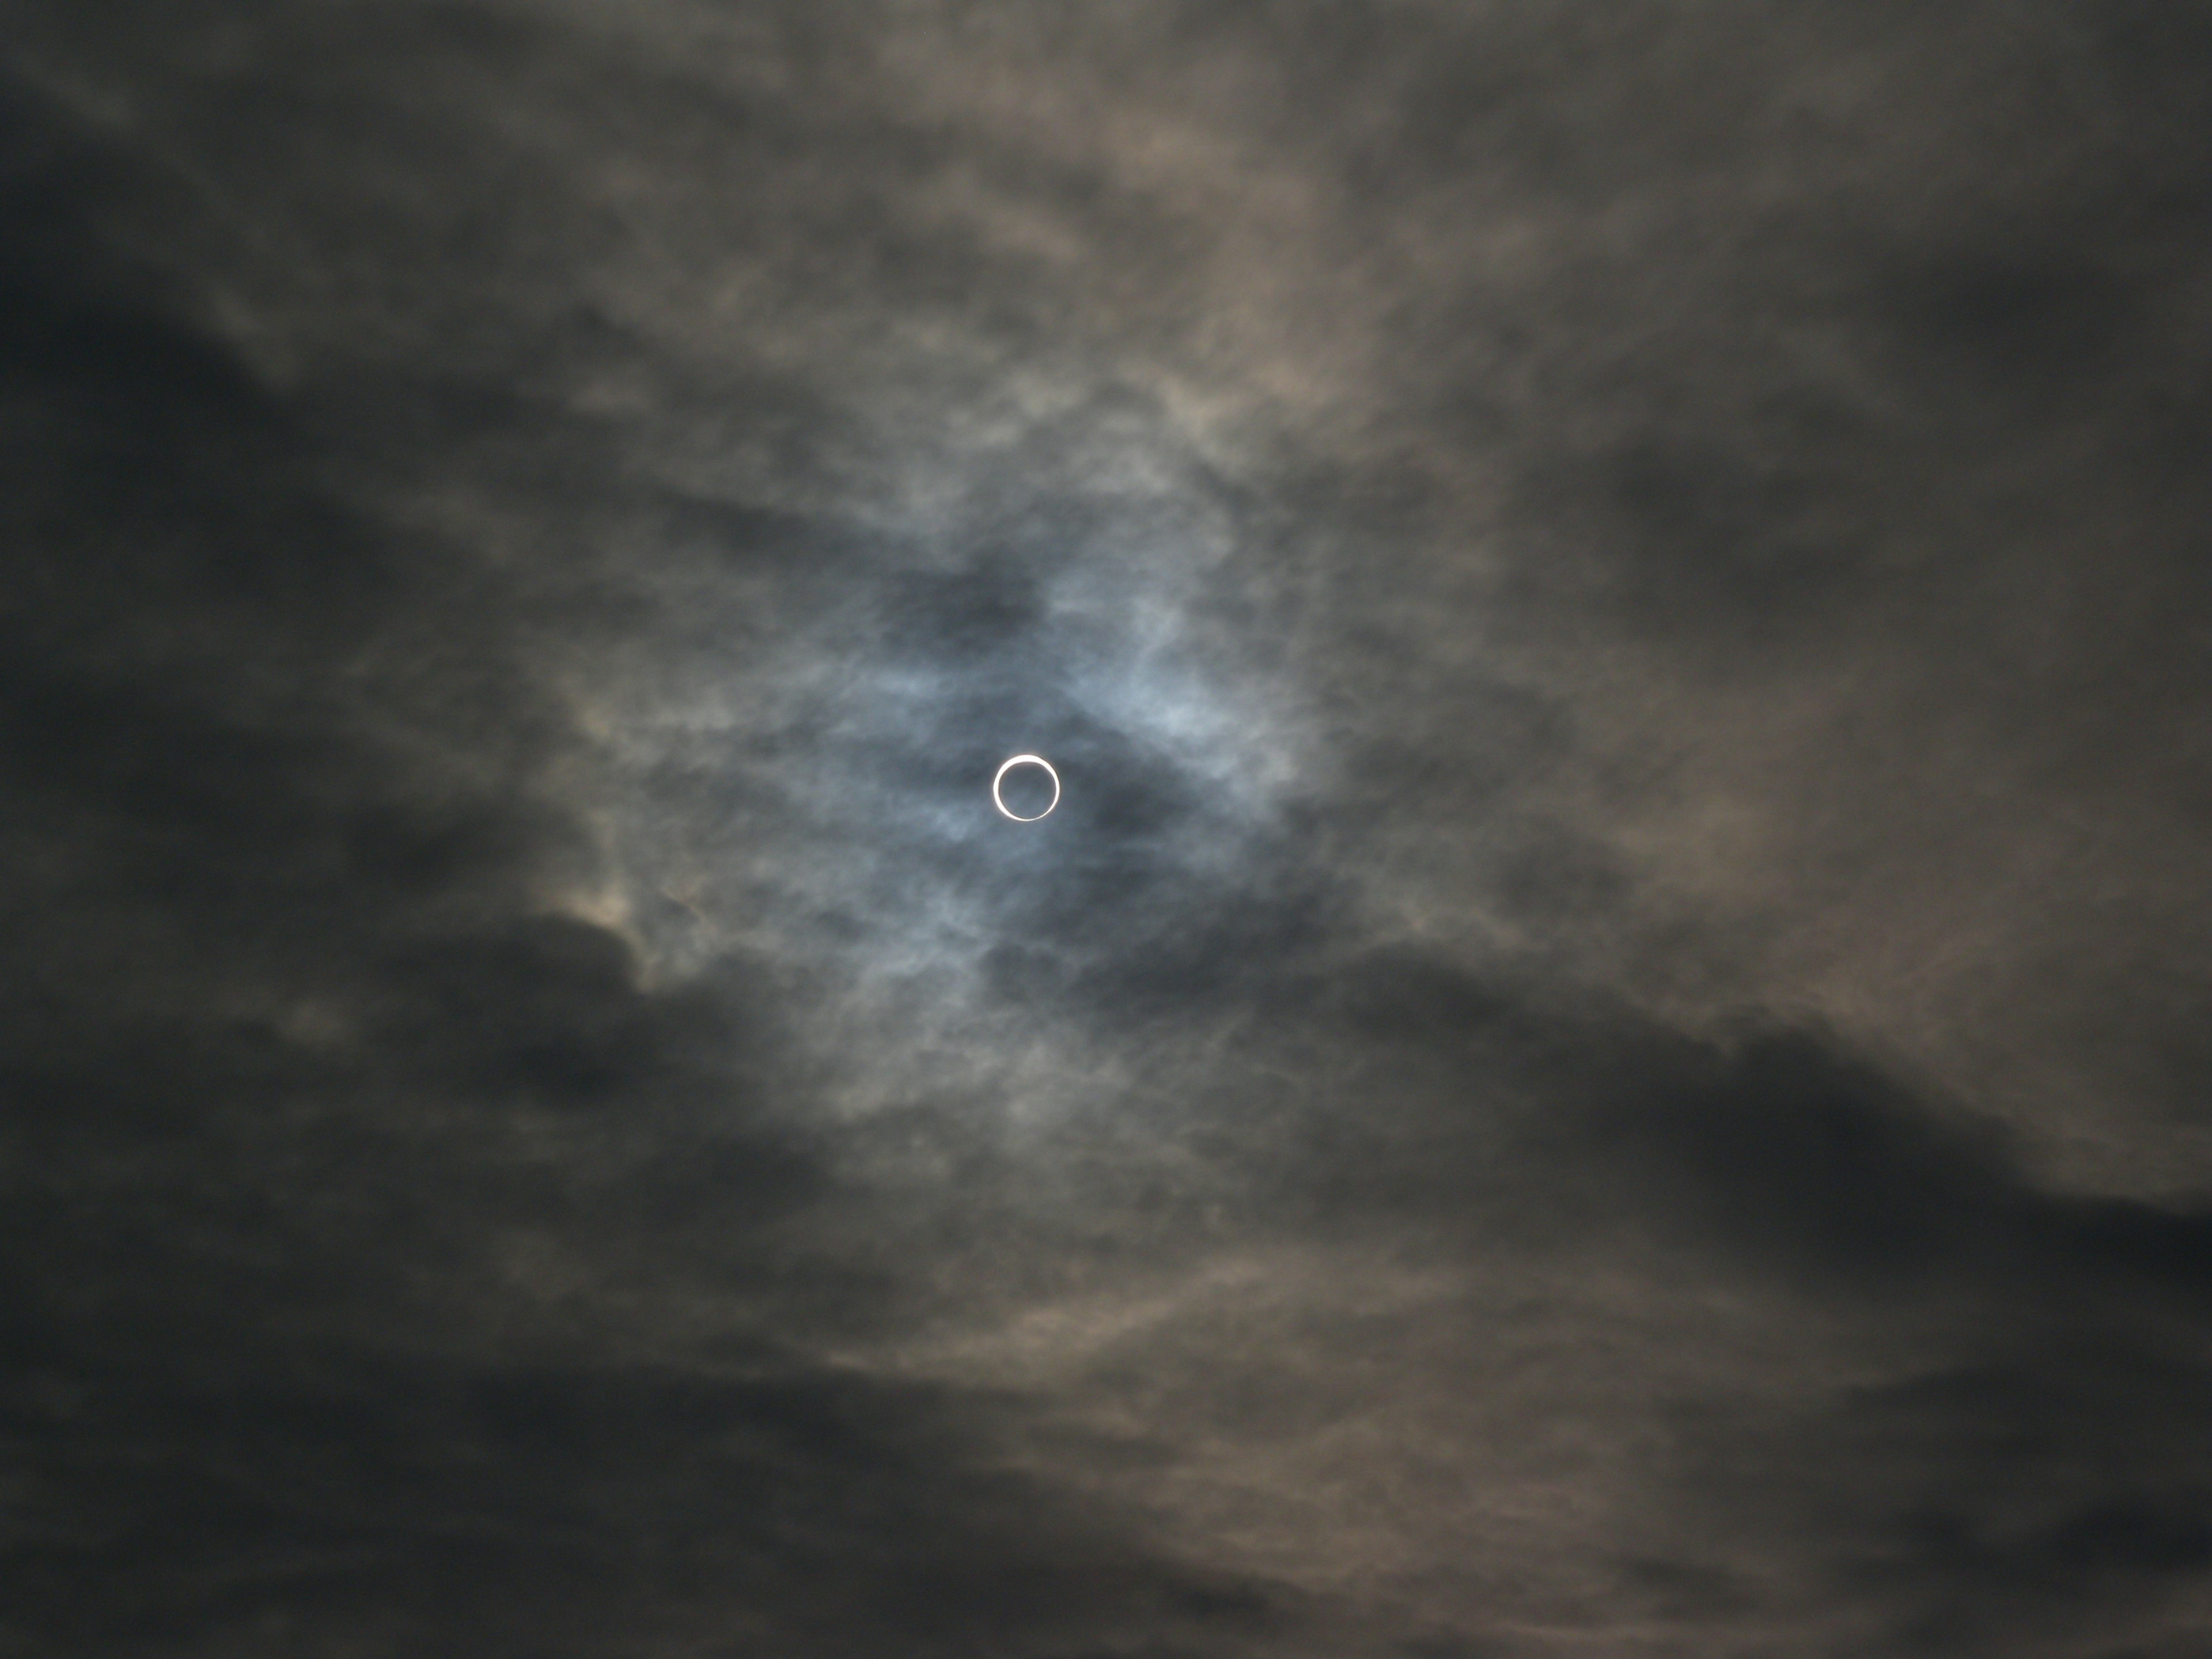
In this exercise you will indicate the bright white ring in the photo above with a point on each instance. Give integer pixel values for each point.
(1025, 760)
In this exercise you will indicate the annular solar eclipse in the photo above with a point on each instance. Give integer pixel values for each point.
(1008, 765)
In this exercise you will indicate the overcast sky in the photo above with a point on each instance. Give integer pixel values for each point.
(1606, 1054)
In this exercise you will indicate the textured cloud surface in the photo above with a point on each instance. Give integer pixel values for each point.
(1605, 1053)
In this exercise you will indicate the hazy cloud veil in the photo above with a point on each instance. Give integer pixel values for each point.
(1606, 1053)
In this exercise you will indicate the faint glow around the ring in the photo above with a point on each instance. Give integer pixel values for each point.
(999, 801)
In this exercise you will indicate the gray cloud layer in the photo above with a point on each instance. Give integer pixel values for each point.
(1605, 1053)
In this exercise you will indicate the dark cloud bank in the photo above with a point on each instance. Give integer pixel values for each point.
(1607, 1054)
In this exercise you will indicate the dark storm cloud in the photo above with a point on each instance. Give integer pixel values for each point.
(1604, 1051)
(310, 1499)
(287, 1056)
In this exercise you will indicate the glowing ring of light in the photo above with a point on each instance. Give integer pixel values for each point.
(1025, 760)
